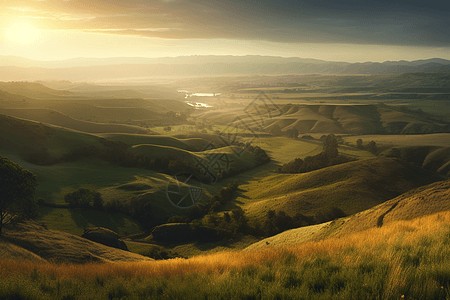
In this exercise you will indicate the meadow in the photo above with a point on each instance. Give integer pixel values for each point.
(405, 259)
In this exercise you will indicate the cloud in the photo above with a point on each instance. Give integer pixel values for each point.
(355, 22)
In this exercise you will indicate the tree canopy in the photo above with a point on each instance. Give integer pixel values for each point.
(17, 186)
(330, 146)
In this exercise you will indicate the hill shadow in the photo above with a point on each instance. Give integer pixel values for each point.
(93, 218)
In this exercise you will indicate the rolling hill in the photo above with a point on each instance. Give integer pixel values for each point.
(33, 90)
(432, 158)
(416, 203)
(103, 104)
(423, 201)
(352, 187)
(31, 241)
(337, 119)
(59, 119)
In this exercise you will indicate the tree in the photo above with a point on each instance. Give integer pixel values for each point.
(275, 130)
(291, 133)
(84, 198)
(330, 145)
(359, 143)
(372, 147)
(17, 186)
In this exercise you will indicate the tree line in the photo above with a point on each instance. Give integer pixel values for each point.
(328, 157)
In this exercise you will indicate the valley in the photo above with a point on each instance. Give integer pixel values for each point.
(198, 184)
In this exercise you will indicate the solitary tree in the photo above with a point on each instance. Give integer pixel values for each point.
(84, 198)
(17, 187)
(359, 143)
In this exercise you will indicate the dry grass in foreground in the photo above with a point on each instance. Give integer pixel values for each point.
(405, 259)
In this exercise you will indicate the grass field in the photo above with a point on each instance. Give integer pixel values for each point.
(75, 220)
(283, 150)
(138, 139)
(436, 139)
(403, 260)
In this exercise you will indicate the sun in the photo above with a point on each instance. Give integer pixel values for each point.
(22, 33)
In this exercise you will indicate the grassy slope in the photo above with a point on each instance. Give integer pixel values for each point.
(60, 247)
(33, 90)
(23, 137)
(353, 187)
(426, 200)
(138, 139)
(10, 251)
(56, 118)
(419, 202)
(100, 111)
(433, 158)
(338, 119)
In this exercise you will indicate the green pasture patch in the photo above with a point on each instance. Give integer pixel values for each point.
(75, 220)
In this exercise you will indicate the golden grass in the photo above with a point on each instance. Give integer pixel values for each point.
(381, 242)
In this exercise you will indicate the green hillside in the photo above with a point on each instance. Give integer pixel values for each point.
(138, 139)
(33, 90)
(25, 138)
(338, 119)
(423, 201)
(352, 187)
(56, 118)
(432, 158)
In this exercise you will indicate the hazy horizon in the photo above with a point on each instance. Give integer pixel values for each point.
(215, 55)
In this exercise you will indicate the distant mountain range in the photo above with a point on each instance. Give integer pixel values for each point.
(13, 68)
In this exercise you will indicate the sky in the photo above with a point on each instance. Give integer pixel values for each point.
(352, 31)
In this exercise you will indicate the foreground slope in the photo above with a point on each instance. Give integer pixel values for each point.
(402, 260)
(416, 203)
(60, 247)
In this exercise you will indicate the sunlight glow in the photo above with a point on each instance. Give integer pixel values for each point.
(22, 33)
